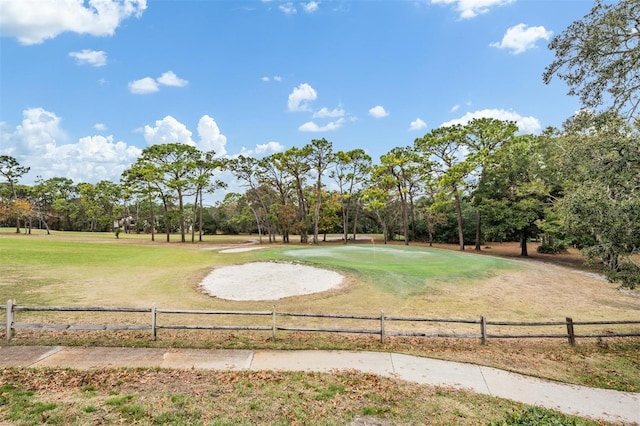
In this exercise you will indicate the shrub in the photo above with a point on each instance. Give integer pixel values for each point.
(552, 248)
(628, 275)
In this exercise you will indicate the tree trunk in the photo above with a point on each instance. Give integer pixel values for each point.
(610, 260)
(167, 222)
(523, 244)
(200, 219)
(302, 212)
(345, 223)
(194, 215)
(355, 222)
(316, 213)
(405, 219)
(181, 211)
(412, 210)
(385, 233)
(46, 225)
(137, 217)
(478, 229)
(255, 215)
(152, 220)
(456, 198)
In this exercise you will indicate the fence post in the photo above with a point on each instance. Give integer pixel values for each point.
(570, 334)
(483, 330)
(381, 326)
(9, 329)
(273, 323)
(154, 322)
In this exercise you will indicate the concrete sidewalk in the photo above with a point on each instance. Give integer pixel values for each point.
(609, 405)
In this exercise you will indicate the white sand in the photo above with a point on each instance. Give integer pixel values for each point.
(268, 281)
(240, 249)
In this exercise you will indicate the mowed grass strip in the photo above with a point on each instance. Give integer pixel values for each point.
(155, 396)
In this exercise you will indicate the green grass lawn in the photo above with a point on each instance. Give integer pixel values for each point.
(51, 270)
(403, 270)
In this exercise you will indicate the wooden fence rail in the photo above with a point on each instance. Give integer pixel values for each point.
(382, 329)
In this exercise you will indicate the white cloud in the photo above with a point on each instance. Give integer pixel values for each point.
(520, 38)
(310, 7)
(101, 127)
(378, 112)
(96, 58)
(149, 85)
(310, 126)
(40, 143)
(267, 79)
(143, 86)
(262, 150)
(300, 97)
(525, 125)
(326, 113)
(455, 108)
(288, 8)
(38, 129)
(210, 137)
(92, 159)
(167, 130)
(269, 148)
(471, 8)
(170, 79)
(417, 124)
(170, 130)
(34, 21)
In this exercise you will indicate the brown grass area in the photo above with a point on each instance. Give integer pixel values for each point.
(544, 288)
(136, 396)
(572, 258)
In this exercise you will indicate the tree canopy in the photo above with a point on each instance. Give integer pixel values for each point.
(598, 57)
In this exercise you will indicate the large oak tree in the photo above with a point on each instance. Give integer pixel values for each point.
(598, 57)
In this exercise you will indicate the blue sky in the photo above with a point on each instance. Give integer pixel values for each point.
(86, 85)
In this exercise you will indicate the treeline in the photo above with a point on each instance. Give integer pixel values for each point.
(464, 183)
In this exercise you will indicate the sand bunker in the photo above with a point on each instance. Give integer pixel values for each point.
(268, 281)
(240, 249)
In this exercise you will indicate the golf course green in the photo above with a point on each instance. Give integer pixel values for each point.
(403, 270)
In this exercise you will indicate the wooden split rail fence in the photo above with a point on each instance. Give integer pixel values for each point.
(382, 322)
